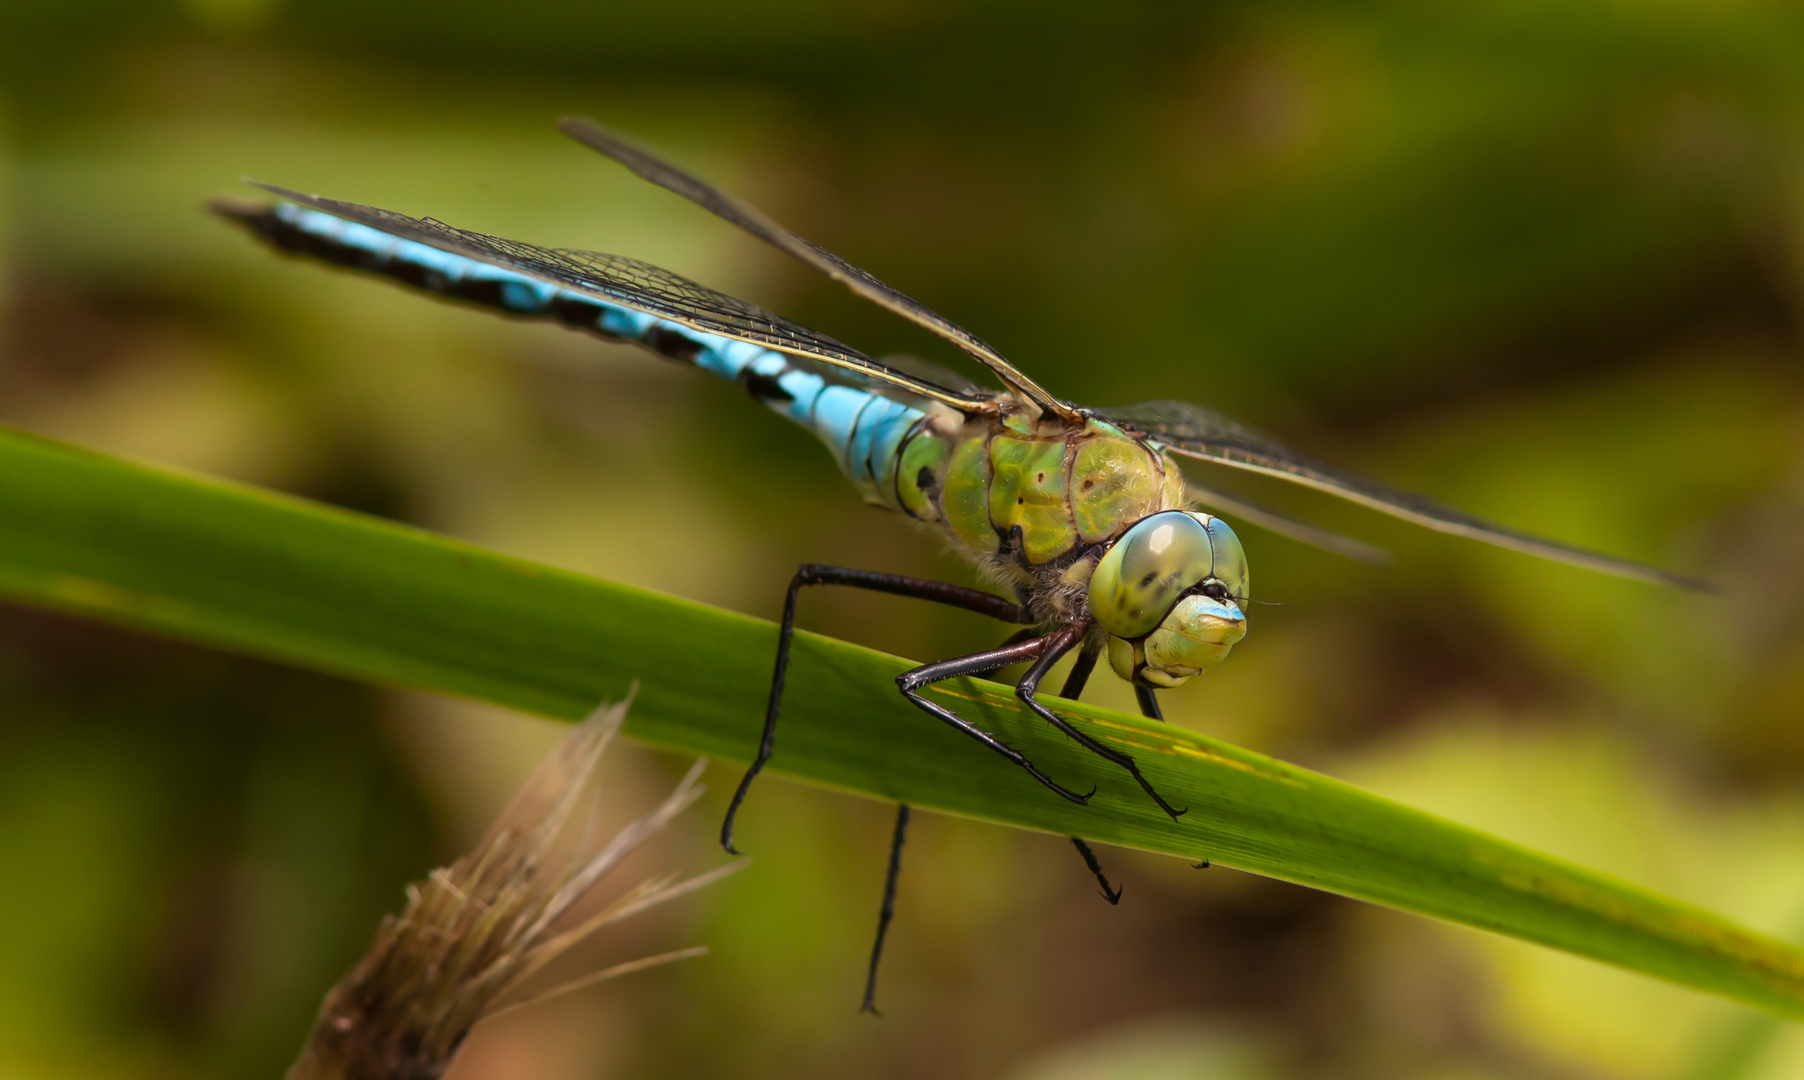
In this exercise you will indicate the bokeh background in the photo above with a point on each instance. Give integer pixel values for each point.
(1539, 259)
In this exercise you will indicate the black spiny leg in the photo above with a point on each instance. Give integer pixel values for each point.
(981, 663)
(1080, 672)
(1022, 647)
(1149, 707)
(1056, 645)
(815, 574)
(1074, 688)
(888, 910)
(1110, 893)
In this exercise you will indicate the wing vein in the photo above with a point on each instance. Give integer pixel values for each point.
(639, 286)
(650, 166)
(1195, 432)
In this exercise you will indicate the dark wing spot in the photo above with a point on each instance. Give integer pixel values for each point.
(1039, 478)
(1020, 500)
(1088, 484)
(764, 387)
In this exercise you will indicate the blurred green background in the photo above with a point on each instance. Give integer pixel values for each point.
(1541, 260)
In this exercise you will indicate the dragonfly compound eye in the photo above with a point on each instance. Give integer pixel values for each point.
(1169, 594)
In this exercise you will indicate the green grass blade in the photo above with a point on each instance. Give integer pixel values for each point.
(254, 572)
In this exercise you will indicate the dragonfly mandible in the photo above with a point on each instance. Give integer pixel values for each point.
(1083, 515)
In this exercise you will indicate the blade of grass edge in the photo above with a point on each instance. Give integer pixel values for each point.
(255, 572)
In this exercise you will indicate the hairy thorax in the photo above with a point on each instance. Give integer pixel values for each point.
(1033, 505)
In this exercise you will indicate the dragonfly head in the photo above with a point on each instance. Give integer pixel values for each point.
(1169, 594)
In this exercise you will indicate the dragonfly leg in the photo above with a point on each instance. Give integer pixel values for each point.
(1026, 633)
(1057, 644)
(1080, 672)
(1074, 688)
(1015, 650)
(911, 682)
(888, 910)
(1149, 708)
(897, 584)
(1111, 893)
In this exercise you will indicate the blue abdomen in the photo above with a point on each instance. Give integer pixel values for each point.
(864, 430)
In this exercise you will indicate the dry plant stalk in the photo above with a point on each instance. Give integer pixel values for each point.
(474, 932)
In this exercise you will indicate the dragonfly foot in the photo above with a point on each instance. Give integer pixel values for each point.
(909, 683)
(1059, 789)
(1111, 893)
(1025, 692)
(732, 814)
(1134, 770)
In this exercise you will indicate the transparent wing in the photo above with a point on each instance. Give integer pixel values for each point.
(1272, 521)
(642, 287)
(707, 196)
(928, 371)
(1194, 431)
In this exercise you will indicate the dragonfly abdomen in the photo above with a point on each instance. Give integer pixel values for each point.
(1002, 489)
(864, 430)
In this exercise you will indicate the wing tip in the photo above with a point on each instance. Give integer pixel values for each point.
(576, 126)
(1687, 583)
(1369, 554)
(605, 140)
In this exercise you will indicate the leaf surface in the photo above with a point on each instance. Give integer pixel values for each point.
(254, 572)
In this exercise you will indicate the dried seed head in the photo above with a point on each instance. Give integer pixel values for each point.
(474, 932)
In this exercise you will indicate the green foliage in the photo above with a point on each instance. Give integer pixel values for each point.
(1537, 260)
(250, 571)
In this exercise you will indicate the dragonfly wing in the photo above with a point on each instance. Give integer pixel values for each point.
(662, 173)
(1272, 521)
(931, 372)
(640, 286)
(1194, 431)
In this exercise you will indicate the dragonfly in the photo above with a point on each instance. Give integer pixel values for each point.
(1083, 516)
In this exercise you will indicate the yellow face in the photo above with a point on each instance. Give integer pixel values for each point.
(1169, 593)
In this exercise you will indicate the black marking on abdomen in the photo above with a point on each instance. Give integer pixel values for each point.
(269, 226)
(667, 342)
(576, 312)
(487, 292)
(412, 273)
(319, 247)
(571, 310)
(765, 388)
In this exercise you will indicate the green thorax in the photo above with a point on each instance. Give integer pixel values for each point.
(1030, 499)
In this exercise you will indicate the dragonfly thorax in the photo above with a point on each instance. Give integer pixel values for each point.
(1060, 512)
(1026, 500)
